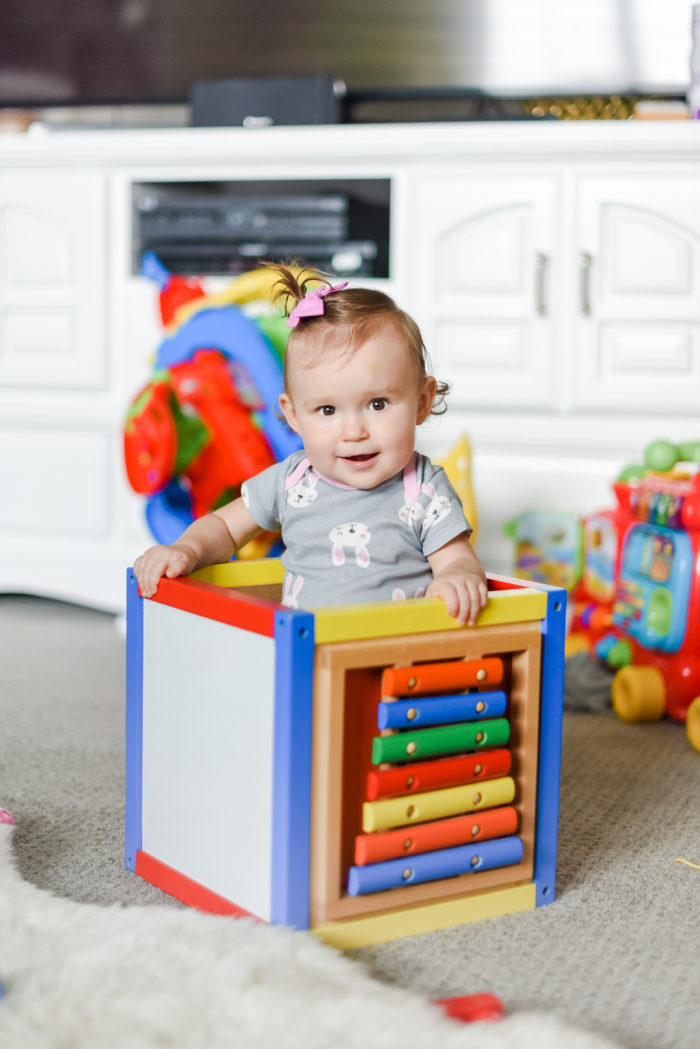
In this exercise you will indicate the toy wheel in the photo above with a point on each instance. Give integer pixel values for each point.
(692, 724)
(638, 694)
(150, 441)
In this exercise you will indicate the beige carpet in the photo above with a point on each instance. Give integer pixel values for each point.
(615, 954)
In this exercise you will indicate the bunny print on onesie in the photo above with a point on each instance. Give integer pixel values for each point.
(345, 545)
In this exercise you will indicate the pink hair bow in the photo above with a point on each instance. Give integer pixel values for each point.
(312, 304)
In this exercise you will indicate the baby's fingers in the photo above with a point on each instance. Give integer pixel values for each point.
(155, 563)
(477, 594)
(177, 566)
(450, 594)
(464, 598)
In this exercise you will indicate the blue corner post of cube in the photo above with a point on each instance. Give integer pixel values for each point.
(134, 720)
(551, 713)
(291, 816)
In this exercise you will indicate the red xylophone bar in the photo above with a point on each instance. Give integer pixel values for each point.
(444, 772)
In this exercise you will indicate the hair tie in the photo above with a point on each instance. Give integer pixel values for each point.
(312, 304)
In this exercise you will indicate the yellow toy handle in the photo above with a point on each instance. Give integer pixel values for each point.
(457, 464)
(252, 286)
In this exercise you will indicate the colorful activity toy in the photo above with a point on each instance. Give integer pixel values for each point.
(366, 771)
(207, 418)
(638, 603)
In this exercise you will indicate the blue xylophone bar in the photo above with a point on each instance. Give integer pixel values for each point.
(431, 866)
(441, 710)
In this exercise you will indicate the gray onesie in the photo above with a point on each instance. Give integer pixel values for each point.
(343, 544)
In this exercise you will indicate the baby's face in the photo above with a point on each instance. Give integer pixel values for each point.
(356, 410)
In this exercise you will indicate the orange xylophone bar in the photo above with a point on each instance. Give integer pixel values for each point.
(440, 834)
(423, 678)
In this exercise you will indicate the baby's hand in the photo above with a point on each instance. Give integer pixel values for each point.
(158, 561)
(463, 589)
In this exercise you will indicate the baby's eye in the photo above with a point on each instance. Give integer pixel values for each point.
(326, 409)
(378, 404)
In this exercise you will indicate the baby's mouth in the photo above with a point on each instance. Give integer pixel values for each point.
(361, 458)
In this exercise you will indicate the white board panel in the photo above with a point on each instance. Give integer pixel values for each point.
(208, 735)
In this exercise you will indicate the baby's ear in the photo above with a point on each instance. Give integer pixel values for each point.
(288, 412)
(427, 398)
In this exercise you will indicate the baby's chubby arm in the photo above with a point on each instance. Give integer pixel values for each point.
(209, 540)
(459, 579)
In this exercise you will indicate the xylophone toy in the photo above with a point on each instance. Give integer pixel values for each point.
(366, 771)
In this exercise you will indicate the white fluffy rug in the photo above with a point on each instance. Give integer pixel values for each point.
(79, 976)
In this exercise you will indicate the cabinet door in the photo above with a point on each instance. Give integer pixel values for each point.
(637, 345)
(484, 248)
(52, 277)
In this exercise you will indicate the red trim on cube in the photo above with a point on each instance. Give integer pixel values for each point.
(185, 889)
(498, 582)
(224, 604)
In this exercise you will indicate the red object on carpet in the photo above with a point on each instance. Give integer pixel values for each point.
(470, 1007)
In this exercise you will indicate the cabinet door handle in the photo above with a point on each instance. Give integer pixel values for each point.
(541, 264)
(585, 261)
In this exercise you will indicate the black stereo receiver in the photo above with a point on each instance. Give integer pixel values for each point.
(195, 232)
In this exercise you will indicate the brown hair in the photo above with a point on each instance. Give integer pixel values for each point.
(357, 308)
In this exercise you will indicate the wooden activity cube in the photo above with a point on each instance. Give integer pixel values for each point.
(366, 771)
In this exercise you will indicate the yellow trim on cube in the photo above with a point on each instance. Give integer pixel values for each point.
(362, 932)
(242, 573)
(381, 618)
(419, 615)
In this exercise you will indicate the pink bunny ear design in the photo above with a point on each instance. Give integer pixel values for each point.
(338, 554)
(362, 556)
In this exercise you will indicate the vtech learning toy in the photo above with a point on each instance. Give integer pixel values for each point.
(639, 598)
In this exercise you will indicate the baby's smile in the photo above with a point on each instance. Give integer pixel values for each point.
(360, 460)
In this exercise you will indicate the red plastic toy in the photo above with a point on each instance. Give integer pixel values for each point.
(200, 389)
(472, 1007)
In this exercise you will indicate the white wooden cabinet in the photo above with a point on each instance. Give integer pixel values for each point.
(505, 284)
(52, 281)
(488, 250)
(59, 474)
(553, 268)
(637, 346)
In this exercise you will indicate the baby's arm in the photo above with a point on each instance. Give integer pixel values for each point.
(209, 540)
(458, 579)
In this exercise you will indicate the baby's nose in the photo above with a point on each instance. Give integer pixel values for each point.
(354, 427)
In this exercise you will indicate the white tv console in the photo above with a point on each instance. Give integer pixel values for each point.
(554, 268)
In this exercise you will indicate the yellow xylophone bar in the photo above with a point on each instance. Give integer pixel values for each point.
(434, 804)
